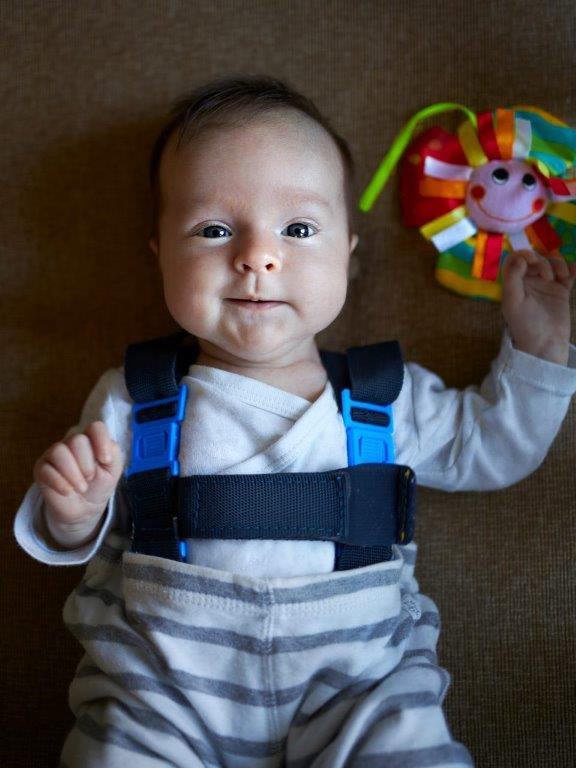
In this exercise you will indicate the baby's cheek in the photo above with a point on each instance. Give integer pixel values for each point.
(188, 304)
(327, 290)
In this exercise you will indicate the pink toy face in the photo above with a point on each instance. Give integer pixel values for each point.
(505, 196)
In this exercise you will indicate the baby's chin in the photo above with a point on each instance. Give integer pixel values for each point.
(258, 349)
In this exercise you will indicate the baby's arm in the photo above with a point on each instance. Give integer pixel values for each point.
(109, 403)
(482, 437)
(491, 436)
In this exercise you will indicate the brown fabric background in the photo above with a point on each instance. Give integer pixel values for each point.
(85, 88)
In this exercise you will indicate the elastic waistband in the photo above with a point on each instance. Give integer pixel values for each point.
(188, 583)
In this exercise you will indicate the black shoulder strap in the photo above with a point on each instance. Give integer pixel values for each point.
(374, 374)
(153, 368)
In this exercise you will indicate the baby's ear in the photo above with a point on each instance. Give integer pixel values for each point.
(153, 243)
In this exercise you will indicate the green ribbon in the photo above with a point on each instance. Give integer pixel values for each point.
(399, 144)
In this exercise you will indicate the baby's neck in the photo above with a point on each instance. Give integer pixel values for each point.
(304, 376)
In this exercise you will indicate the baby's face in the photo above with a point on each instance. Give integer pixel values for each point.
(253, 237)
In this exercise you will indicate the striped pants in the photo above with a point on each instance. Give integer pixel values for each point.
(191, 666)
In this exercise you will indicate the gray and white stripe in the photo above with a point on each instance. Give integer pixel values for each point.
(187, 665)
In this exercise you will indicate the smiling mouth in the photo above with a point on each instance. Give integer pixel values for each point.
(255, 304)
(498, 218)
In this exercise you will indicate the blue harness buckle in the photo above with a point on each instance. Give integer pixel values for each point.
(156, 440)
(156, 433)
(368, 442)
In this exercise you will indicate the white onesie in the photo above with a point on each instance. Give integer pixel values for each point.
(480, 438)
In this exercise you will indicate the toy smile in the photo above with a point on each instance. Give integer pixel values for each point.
(499, 218)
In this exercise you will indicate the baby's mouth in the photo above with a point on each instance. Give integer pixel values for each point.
(255, 304)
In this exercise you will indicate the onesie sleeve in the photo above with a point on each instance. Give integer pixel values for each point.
(483, 437)
(109, 402)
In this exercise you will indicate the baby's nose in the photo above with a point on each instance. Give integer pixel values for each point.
(257, 258)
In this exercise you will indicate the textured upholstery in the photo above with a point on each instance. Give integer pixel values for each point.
(85, 89)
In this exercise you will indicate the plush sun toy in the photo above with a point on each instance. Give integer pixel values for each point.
(505, 181)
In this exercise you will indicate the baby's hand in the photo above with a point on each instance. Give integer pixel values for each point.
(536, 303)
(76, 478)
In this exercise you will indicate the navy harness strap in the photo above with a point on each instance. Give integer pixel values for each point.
(152, 371)
(353, 506)
(151, 498)
(153, 368)
(374, 374)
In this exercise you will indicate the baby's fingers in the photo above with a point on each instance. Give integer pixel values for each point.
(565, 272)
(560, 268)
(47, 476)
(81, 449)
(538, 265)
(515, 268)
(59, 470)
(107, 453)
(101, 442)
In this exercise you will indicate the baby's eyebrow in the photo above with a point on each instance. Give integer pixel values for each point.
(302, 195)
(292, 195)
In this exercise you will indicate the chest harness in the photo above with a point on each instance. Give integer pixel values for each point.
(364, 507)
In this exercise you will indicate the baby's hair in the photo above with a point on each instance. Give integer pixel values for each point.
(234, 101)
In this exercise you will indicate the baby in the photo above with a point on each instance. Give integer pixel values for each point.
(259, 652)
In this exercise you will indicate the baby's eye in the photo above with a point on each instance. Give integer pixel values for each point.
(299, 229)
(213, 231)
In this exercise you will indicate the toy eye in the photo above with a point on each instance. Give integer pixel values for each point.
(500, 176)
(528, 181)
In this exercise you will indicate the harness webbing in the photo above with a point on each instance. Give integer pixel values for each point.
(364, 508)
